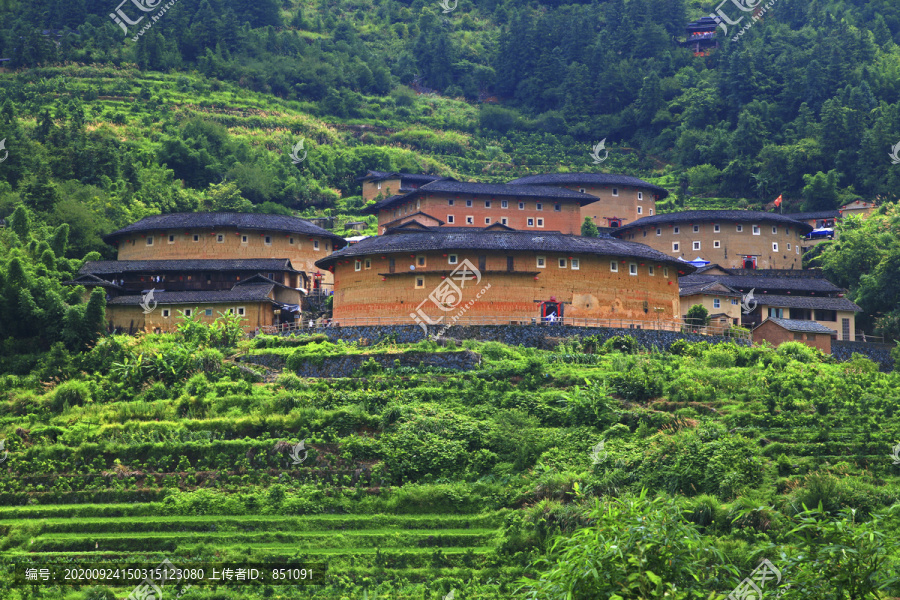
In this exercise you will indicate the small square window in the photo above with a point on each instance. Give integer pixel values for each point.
(357, 265)
(207, 312)
(315, 244)
(468, 203)
(614, 266)
(470, 220)
(487, 220)
(452, 259)
(615, 191)
(756, 230)
(196, 237)
(268, 240)
(665, 271)
(675, 247)
(541, 262)
(420, 282)
(291, 241)
(379, 185)
(368, 263)
(696, 245)
(220, 238)
(171, 239)
(650, 271)
(651, 212)
(557, 207)
(521, 206)
(696, 229)
(774, 246)
(540, 223)
(149, 240)
(166, 312)
(244, 239)
(327, 246)
(676, 229)
(188, 312)
(240, 311)
(797, 249)
(563, 263)
(716, 228)
(449, 202)
(716, 244)
(420, 261)
(450, 219)
(789, 247)
(632, 268)
(539, 206)
(640, 210)
(581, 190)
(576, 264)
(717, 303)
(504, 221)
(734, 301)
(504, 204)
(658, 231)
(487, 203)
(740, 228)
(774, 229)
(531, 222)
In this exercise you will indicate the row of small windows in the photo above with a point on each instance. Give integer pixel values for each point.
(220, 238)
(189, 312)
(676, 246)
(470, 220)
(633, 269)
(716, 228)
(540, 263)
(717, 303)
(505, 204)
(615, 192)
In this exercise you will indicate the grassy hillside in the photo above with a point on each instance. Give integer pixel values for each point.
(419, 481)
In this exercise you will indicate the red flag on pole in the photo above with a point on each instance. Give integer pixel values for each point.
(778, 201)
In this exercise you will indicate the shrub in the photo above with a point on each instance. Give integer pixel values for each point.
(70, 393)
(799, 352)
(625, 344)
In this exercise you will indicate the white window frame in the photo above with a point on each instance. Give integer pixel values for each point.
(640, 210)
(613, 266)
(420, 282)
(149, 240)
(220, 238)
(487, 220)
(421, 261)
(651, 271)
(717, 303)
(504, 204)
(774, 230)
(633, 269)
(696, 245)
(774, 246)
(557, 207)
(452, 259)
(470, 219)
(651, 212)
(530, 222)
(640, 196)
(166, 312)
(797, 247)
(676, 229)
(739, 228)
(188, 312)
(666, 272)
(504, 221)
(676, 247)
(450, 219)
(468, 203)
(541, 262)
(717, 244)
(538, 206)
(540, 222)
(581, 190)
(241, 311)
(563, 263)
(756, 230)
(716, 228)
(368, 263)
(615, 191)
(487, 203)
(521, 206)
(575, 264)
(244, 239)
(449, 202)
(196, 237)
(171, 238)
(659, 231)
(696, 229)
(268, 240)
(315, 244)
(789, 247)
(357, 265)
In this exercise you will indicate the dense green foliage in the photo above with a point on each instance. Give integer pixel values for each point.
(419, 481)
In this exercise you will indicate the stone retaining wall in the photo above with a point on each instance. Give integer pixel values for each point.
(346, 365)
(880, 353)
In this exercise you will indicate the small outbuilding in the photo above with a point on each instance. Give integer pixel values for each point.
(777, 331)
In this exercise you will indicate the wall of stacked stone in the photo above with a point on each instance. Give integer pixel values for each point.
(880, 353)
(345, 366)
(536, 336)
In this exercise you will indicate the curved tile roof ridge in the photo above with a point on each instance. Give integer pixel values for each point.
(205, 220)
(595, 178)
(689, 216)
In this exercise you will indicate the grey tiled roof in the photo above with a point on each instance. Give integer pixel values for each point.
(243, 293)
(222, 220)
(703, 216)
(798, 326)
(749, 282)
(112, 267)
(451, 186)
(381, 175)
(821, 302)
(713, 288)
(821, 214)
(589, 179)
(470, 238)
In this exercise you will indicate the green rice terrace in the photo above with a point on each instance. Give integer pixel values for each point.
(588, 470)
